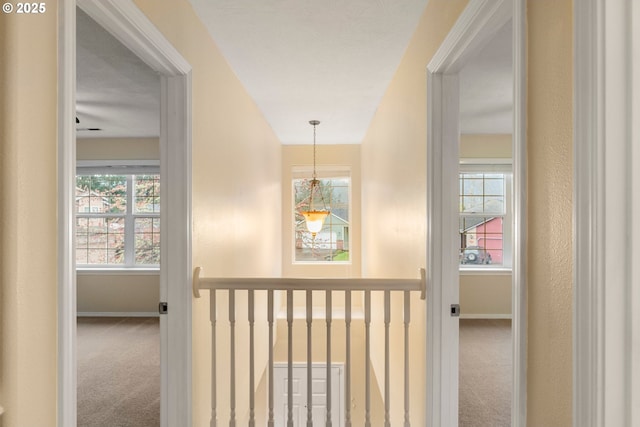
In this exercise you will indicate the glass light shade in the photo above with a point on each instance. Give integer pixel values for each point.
(314, 220)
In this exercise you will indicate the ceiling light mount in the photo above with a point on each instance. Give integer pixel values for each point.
(313, 216)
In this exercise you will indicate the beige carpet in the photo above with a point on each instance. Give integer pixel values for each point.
(118, 372)
(485, 373)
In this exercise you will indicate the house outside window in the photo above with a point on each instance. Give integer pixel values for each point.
(332, 243)
(485, 216)
(117, 218)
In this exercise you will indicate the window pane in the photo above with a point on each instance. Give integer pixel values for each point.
(100, 240)
(472, 187)
(481, 240)
(494, 187)
(331, 243)
(493, 204)
(101, 193)
(482, 193)
(147, 193)
(472, 204)
(147, 241)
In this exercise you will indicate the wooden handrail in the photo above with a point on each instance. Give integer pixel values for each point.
(307, 285)
(304, 284)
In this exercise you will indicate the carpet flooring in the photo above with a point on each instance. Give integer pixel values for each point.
(485, 373)
(118, 372)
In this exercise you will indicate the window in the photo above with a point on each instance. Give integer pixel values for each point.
(332, 243)
(485, 225)
(117, 218)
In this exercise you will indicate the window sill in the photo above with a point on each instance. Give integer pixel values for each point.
(485, 271)
(321, 263)
(137, 271)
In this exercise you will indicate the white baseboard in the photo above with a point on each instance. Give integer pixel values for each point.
(485, 316)
(118, 314)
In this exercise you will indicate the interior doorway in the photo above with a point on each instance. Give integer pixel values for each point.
(117, 229)
(132, 28)
(299, 395)
(463, 241)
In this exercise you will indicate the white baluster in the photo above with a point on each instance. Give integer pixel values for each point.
(367, 357)
(347, 321)
(290, 358)
(328, 308)
(387, 384)
(252, 397)
(232, 370)
(213, 318)
(270, 421)
(309, 360)
(407, 319)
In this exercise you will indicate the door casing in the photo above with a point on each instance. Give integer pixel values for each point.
(129, 25)
(475, 26)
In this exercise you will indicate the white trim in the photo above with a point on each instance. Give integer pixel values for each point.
(118, 314)
(477, 165)
(519, 211)
(485, 316)
(123, 167)
(67, 373)
(606, 353)
(101, 271)
(128, 24)
(489, 271)
(475, 27)
(442, 200)
(115, 163)
(634, 158)
(504, 162)
(588, 405)
(133, 29)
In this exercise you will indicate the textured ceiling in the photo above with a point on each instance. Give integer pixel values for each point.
(297, 62)
(303, 60)
(115, 90)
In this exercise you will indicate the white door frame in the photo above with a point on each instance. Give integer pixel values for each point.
(475, 27)
(606, 331)
(129, 25)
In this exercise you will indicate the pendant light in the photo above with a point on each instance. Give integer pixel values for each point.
(313, 216)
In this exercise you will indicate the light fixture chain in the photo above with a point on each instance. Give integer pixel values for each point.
(314, 151)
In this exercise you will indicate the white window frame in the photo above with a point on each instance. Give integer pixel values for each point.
(129, 169)
(322, 172)
(473, 165)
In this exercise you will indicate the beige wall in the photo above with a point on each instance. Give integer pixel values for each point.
(236, 186)
(327, 156)
(394, 188)
(485, 295)
(550, 171)
(118, 149)
(118, 292)
(28, 218)
(229, 131)
(236, 167)
(487, 146)
(393, 157)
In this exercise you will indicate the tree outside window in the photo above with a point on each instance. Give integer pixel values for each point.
(118, 220)
(331, 244)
